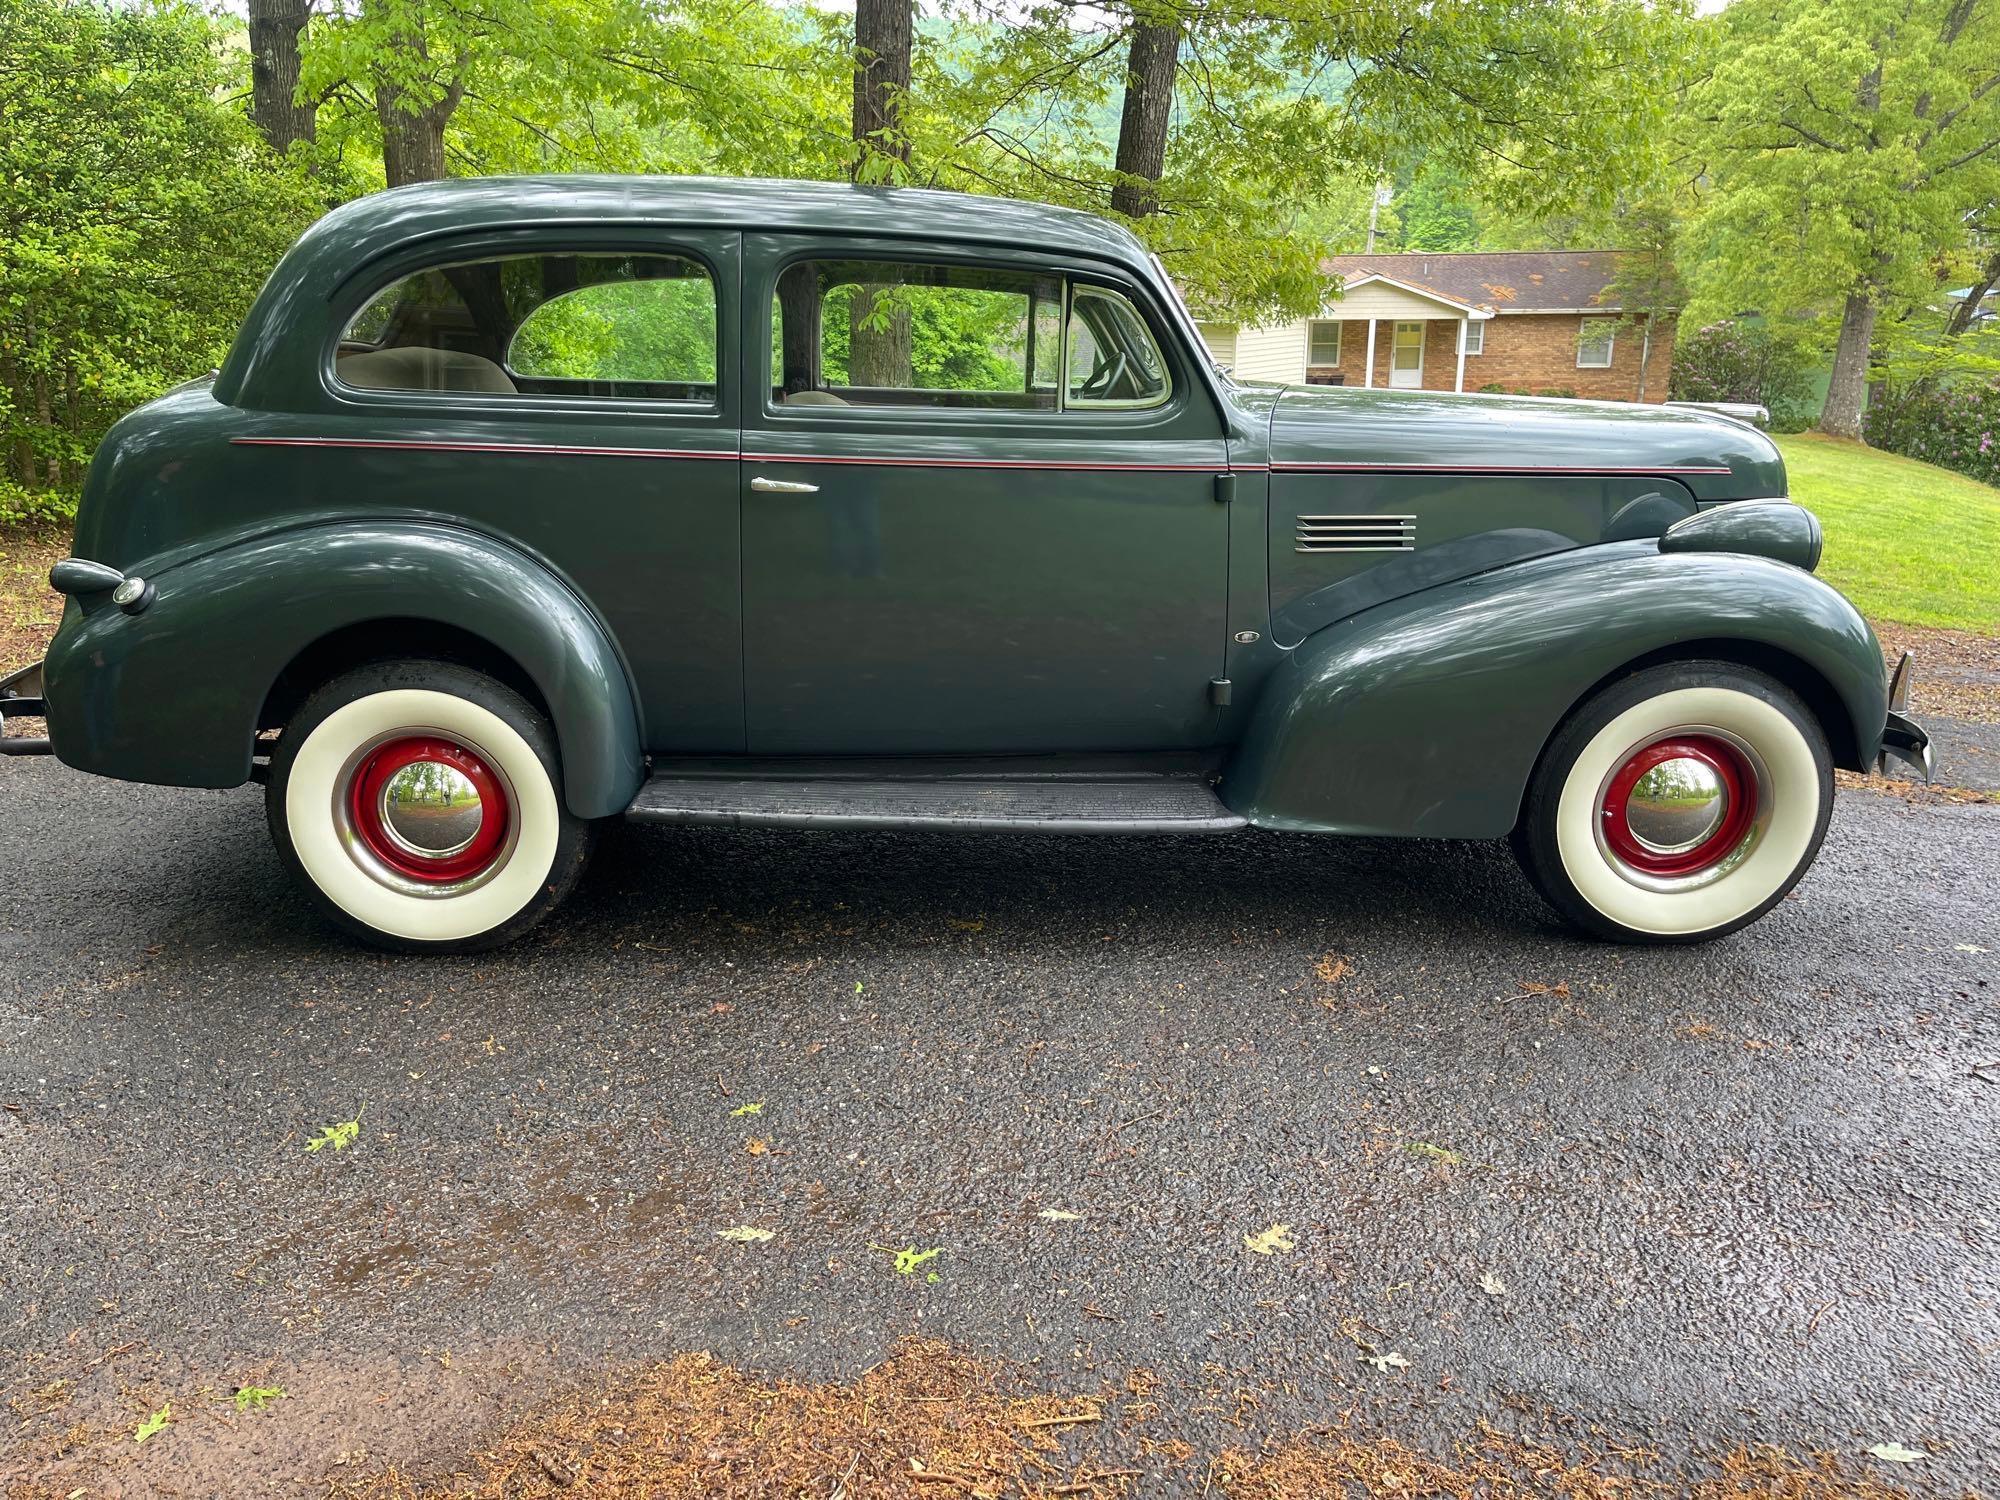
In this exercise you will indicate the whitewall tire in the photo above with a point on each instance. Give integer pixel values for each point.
(1678, 805)
(420, 805)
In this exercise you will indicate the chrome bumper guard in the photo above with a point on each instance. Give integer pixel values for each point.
(21, 698)
(1903, 738)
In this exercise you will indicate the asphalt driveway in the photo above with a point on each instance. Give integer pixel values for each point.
(1746, 1192)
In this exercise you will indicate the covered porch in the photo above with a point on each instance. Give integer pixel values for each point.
(1386, 332)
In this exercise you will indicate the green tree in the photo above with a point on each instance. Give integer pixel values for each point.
(1274, 99)
(1439, 211)
(139, 212)
(432, 88)
(1845, 145)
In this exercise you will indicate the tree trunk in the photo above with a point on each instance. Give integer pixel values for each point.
(880, 356)
(275, 29)
(413, 139)
(1982, 285)
(882, 34)
(1849, 382)
(1645, 354)
(1142, 130)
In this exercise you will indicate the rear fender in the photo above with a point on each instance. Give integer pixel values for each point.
(173, 694)
(1425, 716)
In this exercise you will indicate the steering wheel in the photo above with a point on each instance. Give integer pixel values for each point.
(1106, 376)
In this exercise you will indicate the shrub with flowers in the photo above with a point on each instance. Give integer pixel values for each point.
(1745, 362)
(1955, 424)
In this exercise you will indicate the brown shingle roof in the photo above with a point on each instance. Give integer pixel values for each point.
(1504, 280)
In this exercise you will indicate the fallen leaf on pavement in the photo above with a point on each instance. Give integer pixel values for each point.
(155, 1424)
(1270, 1241)
(755, 1107)
(340, 1136)
(1436, 1153)
(1896, 1453)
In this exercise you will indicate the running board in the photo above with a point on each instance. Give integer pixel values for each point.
(1018, 803)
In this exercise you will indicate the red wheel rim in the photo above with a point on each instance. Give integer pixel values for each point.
(1731, 771)
(365, 801)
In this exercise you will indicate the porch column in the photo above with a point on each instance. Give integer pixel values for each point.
(1459, 383)
(1369, 378)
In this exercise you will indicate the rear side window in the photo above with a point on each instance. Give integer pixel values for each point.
(634, 326)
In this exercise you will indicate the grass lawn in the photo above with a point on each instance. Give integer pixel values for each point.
(1906, 541)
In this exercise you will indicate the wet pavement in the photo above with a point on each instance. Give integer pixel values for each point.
(1744, 1192)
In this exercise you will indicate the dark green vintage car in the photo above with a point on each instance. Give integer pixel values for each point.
(524, 504)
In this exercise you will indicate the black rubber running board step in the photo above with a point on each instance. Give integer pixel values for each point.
(1018, 804)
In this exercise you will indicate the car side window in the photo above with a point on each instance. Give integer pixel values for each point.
(621, 326)
(1113, 359)
(886, 333)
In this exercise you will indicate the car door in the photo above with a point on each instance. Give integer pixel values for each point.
(980, 507)
(575, 391)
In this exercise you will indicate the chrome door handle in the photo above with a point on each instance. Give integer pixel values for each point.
(765, 486)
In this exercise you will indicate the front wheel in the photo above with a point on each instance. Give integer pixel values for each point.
(1677, 805)
(420, 806)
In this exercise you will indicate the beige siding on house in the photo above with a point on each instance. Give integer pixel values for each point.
(1276, 353)
(1385, 302)
(1221, 341)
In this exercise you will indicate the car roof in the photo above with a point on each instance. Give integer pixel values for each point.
(382, 220)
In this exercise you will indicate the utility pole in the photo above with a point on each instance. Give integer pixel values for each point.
(1383, 194)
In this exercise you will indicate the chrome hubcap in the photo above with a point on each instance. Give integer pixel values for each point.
(431, 809)
(1676, 805)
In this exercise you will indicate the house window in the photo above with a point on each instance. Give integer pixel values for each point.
(1323, 343)
(1475, 336)
(1593, 343)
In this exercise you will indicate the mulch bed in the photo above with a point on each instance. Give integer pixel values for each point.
(1957, 673)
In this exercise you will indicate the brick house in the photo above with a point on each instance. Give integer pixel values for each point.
(1539, 321)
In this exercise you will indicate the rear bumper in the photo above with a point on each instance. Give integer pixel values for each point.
(21, 698)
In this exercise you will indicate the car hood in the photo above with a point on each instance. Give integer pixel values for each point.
(1715, 457)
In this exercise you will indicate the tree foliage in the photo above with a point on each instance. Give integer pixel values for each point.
(1845, 147)
(139, 212)
(1278, 101)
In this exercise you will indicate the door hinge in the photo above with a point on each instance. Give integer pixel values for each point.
(1218, 691)
(1225, 488)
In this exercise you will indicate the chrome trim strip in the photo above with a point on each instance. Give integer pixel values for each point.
(578, 450)
(1314, 467)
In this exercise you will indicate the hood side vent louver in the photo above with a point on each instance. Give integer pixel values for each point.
(1374, 533)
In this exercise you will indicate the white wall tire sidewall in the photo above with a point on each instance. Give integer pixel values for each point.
(318, 841)
(1796, 793)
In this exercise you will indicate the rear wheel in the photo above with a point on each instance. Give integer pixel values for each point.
(1678, 805)
(420, 806)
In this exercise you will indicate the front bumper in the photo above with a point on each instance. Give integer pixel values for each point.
(1903, 738)
(21, 698)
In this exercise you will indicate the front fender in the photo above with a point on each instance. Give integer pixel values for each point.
(172, 695)
(1425, 716)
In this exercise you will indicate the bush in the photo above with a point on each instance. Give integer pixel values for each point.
(1955, 426)
(138, 213)
(20, 504)
(1745, 362)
